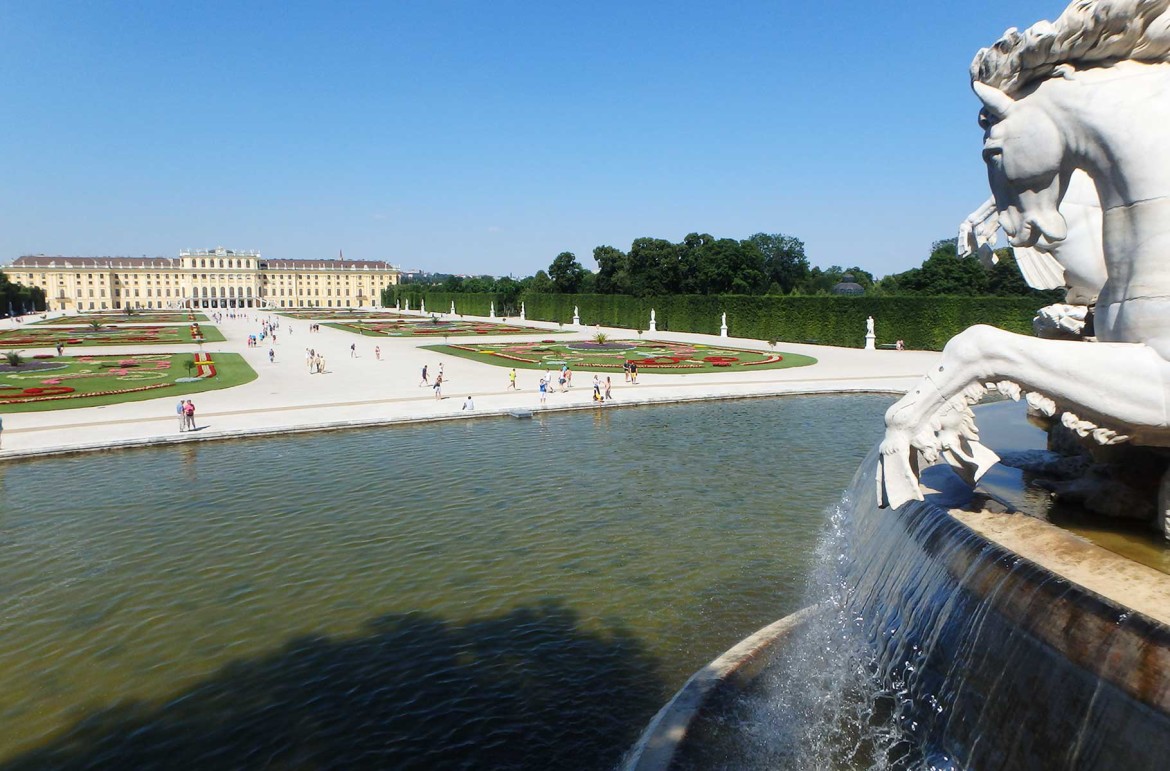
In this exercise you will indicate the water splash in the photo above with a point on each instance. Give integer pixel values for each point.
(933, 650)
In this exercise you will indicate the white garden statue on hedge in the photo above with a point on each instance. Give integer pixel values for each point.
(1090, 91)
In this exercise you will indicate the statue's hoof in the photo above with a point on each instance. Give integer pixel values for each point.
(970, 460)
(896, 481)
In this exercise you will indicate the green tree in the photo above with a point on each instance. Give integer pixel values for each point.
(508, 289)
(784, 259)
(566, 273)
(19, 298)
(479, 284)
(653, 267)
(943, 273)
(727, 266)
(540, 283)
(611, 270)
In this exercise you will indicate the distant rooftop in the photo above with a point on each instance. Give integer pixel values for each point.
(106, 263)
(46, 261)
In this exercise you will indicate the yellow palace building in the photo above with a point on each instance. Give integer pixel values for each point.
(203, 278)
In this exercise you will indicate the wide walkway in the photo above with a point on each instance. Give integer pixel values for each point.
(363, 390)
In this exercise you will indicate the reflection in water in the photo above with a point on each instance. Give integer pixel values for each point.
(492, 593)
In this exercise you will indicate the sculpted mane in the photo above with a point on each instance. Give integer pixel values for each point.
(1089, 32)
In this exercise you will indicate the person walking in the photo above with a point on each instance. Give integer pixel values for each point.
(189, 413)
(512, 379)
(353, 350)
(626, 369)
(596, 388)
(271, 355)
(182, 416)
(439, 387)
(543, 390)
(634, 372)
(378, 352)
(608, 385)
(424, 376)
(60, 347)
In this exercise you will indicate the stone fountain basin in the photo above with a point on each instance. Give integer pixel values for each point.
(1071, 598)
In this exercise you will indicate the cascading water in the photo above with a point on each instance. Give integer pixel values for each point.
(934, 648)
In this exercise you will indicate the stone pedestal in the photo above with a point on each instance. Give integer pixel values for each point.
(452, 307)
(869, 342)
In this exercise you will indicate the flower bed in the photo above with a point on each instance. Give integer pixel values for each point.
(92, 380)
(49, 337)
(656, 356)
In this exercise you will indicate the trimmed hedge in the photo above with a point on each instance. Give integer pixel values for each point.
(923, 323)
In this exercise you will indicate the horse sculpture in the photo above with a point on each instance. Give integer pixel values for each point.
(1090, 91)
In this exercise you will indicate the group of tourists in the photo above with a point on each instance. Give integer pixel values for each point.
(185, 410)
(437, 385)
(315, 361)
(564, 379)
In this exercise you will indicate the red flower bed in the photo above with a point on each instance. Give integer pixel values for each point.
(18, 400)
(721, 360)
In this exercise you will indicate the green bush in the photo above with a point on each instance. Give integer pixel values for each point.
(924, 323)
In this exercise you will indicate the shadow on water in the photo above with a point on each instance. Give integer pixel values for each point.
(530, 689)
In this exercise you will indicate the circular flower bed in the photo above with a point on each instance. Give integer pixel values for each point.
(588, 346)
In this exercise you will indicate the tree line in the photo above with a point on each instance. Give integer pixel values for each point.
(764, 264)
(16, 299)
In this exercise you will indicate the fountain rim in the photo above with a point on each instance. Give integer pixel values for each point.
(738, 666)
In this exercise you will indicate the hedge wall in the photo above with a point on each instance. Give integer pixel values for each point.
(924, 323)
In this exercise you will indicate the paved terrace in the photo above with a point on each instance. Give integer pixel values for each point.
(365, 391)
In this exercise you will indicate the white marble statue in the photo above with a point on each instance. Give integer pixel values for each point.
(869, 326)
(452, 307)
(1077, 263)
(492, 312)
(422, 306)
(723, 325)
(653, 322)
(576, 317)
(522, 311)
(1090, 91)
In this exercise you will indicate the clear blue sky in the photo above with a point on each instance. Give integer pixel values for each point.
(487, 137)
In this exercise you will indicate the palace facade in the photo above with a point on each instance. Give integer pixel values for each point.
(203, 278)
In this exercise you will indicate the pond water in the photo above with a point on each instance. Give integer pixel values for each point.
(494, 593)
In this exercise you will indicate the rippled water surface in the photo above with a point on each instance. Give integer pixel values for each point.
(480, 594)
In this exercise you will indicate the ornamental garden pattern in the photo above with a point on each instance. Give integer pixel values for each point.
(650, 356)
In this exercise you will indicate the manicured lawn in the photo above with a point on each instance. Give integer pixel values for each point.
(68, 382)
(427, 327)
(650, 356)
(145, 317)
(73, 337)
